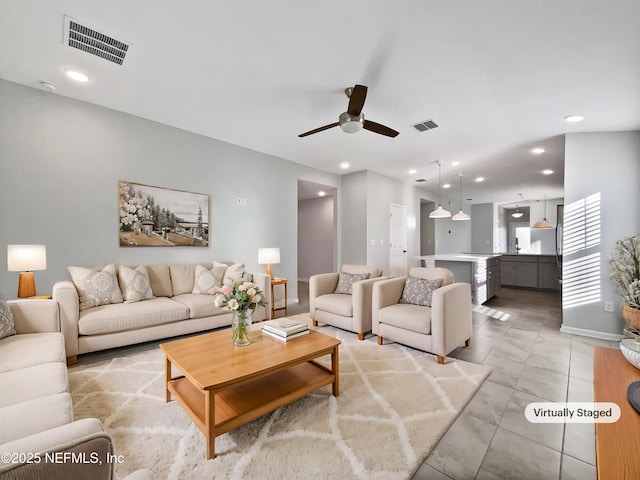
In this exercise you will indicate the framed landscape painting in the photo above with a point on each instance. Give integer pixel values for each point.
(161, 217)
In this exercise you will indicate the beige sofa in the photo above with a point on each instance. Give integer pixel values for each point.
(349, 312)
(36, 414)
(438, 329)
(173, 310)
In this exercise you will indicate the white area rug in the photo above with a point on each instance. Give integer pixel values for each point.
(394, 405)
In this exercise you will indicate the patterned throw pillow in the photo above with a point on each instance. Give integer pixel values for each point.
(6, 319)
(234, 272)
(346, 281)
(134, 284)
(207, 279)
(418, 291)
(96, 287)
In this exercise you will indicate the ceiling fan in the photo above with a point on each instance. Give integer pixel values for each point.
(352, 120)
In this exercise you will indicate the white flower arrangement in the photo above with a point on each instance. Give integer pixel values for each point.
(238, 296)
(625, 269)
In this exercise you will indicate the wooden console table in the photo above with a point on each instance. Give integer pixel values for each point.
(617, 444)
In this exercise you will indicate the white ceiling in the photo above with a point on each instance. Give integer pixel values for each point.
(498, 76)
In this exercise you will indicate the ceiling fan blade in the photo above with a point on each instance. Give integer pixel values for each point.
(356, 100)
(381, 129)
(326, 127)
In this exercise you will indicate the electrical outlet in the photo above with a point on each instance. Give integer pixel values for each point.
(608, 306)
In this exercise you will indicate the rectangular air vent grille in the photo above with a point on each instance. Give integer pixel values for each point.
(419, 180)
(93, 42)
(426, 125)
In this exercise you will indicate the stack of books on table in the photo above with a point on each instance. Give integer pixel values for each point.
(284, 329)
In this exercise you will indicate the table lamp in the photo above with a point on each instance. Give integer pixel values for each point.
(268, 257)
(26, 259)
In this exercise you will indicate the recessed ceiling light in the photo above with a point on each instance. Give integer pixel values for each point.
(344, 165)
(574, 118)
(321, 193)
(412, 171)
(446, 185)
(455, 164)
(77, 76)
(538, 150)
(480, 179)
(547, 171)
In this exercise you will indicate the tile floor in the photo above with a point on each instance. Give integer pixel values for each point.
(518, 335)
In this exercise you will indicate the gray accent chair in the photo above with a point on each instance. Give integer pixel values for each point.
(438, 329)
(348, 312)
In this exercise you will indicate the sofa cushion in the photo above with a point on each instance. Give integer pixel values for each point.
(96, 286)
(33, 382)
(407, 316)
(160, 280)
(35, 416)
(127, 316)
(419, 291)
(199, 305)
(182, 278)
(134, 284)
(346, 281)
(6, 319)
(335, 303)
(29, 349)
(206, 279)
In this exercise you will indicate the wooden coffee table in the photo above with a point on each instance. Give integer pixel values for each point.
(223, 387)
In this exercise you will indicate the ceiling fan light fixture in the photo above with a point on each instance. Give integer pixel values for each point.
(351, 123)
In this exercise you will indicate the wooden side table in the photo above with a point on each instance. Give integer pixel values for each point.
(617, 444)
(274, 282)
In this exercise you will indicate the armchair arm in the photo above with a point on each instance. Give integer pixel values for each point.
(451, 322)
(66, 295)
(263, 282)
(361, 296)
(386, 292)
(35, 316)
(321, 284)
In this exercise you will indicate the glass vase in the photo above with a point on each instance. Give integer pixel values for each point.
(241, 327)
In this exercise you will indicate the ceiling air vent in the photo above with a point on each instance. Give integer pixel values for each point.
(93, 42)
(426, 125)
(419, 180)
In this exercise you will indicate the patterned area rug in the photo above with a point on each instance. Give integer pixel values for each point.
(394, 405)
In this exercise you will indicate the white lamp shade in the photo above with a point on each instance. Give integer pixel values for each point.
(440, 213)
(26, 258)
(268, 256)
(461, 216)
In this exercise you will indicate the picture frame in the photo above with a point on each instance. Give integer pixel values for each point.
(150, 216)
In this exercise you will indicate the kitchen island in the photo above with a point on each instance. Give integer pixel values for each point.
(480, 270)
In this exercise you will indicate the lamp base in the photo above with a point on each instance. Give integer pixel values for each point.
(26, 285)
(268, 271)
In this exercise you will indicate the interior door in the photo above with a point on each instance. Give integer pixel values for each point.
(398, 240)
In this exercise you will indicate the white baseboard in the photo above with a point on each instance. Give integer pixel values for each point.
(591, 333)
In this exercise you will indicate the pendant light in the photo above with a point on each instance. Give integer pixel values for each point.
(544, 223)
(461, 215)
(517, 213)
(439, 212)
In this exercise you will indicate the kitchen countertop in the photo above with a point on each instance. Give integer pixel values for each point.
(460, 257)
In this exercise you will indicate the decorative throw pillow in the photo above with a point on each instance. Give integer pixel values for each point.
(95, 286)
(346, 281)
(134, 284)
(419, 291)
(234, 272)
(6, 319)
(207, 279)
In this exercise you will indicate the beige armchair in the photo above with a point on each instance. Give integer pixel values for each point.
(347, 311)
(437, 329)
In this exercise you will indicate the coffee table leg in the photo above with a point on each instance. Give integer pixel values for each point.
(210, 422)
(167, 379)
(335, 371)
